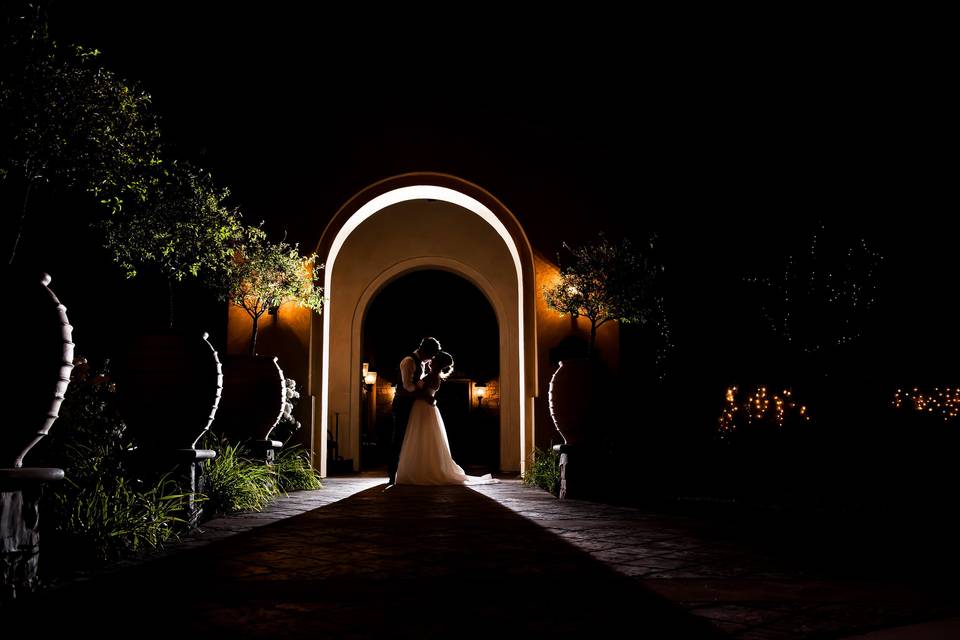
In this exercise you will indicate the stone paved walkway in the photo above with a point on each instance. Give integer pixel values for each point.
(334, 490)
(708, 570)
(280, 508)
(490, 561)
(403, 563)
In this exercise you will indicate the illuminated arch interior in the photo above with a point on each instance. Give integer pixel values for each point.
(371, 208)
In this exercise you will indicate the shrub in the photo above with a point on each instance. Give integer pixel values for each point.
(544, 472)
(294, 471)
(100, 513)
(102, 521)
(236, 483)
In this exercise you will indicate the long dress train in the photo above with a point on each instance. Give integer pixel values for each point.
(425, 455)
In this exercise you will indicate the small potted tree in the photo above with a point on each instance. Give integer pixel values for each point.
(263, 276)
(68, 127)
(66, 123)
(605, 282)
(170, 382)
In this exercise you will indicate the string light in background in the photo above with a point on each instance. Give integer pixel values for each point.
(759, 406)
(943, 402)
(823, 296)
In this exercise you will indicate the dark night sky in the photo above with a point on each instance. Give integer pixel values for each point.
(728, 151)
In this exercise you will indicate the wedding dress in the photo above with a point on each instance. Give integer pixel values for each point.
(425, 454)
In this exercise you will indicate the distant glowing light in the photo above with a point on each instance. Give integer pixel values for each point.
(944, 402)
(758, 406)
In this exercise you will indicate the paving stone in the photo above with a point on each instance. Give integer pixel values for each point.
(690, 561)
(746, 615)
(410, 562)
(353, 560)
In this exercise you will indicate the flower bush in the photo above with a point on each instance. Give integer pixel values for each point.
(288, 425)
(101, 512)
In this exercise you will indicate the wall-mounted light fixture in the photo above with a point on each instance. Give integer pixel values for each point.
(370, 377)
(480, 390)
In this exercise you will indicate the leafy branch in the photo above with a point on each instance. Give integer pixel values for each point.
(264, 275)
(68, 122)
(606, 282)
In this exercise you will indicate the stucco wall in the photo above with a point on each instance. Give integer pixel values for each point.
(412, 235)
(424, 234)
(287, 336)
(552, 328)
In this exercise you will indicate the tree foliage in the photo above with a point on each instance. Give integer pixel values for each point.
(67, 121)
(608, 281)
(182, 228)
(265, 275)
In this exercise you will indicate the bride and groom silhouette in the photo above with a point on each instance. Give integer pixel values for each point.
(420, 450)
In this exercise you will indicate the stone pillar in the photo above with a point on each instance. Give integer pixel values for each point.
(20, 491)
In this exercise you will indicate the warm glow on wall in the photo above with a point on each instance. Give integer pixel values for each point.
(549, 280)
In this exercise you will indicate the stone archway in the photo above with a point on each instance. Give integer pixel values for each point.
(423, 221)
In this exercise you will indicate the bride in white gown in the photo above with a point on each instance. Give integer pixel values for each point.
(425, 455)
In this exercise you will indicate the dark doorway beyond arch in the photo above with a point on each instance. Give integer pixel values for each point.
(448, 307)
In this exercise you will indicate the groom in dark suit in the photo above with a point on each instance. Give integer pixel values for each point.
(409, 389)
